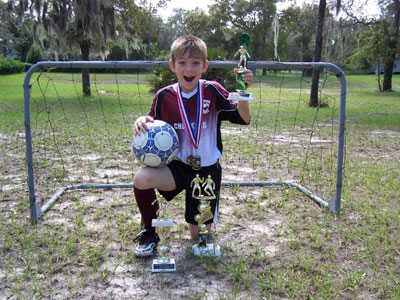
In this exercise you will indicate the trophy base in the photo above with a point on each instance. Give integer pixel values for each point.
(160, 266)
(211, 250)
(240, 96)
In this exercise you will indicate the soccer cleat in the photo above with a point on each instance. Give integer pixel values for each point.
(147, 243)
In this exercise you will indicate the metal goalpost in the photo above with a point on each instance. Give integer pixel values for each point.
(37, 211)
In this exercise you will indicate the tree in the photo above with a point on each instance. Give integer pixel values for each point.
(152, 22)
(372, 46)
(317, 54)
(393, 37)
(15, 30)
(380, 43)
(5, 33)
(254, 17)
(173, 28)
(297, 30)
(35, 54)
(198, 23)
(66, 25)
(69, 23)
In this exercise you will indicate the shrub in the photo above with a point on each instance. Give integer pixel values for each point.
(10, 66)
(358, 65)
(35, 54)
(162, 78)
(225, 77)
(117, 53)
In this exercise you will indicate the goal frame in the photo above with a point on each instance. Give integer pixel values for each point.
(37, 211)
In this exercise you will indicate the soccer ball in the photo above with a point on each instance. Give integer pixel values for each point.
(158, 146)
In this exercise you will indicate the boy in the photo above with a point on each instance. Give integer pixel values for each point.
(203, 105)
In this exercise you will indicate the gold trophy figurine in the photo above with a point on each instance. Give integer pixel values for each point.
(163, 227)
(241, 94)
(209, 186)
(203, 248)
(196, 185)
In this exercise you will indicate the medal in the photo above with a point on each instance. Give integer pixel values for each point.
(194, 161)
(195, 131)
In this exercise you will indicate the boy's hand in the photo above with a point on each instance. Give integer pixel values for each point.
(140, 124)
(247, 76)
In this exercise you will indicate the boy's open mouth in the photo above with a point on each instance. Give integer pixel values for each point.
(189, 78)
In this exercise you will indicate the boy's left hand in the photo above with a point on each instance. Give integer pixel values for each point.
(247, 76)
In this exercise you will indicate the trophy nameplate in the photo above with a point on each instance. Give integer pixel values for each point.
(237, 96)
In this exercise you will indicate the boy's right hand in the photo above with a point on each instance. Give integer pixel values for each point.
(140, 124)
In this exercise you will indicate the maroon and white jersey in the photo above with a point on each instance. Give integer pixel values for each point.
(215, 109)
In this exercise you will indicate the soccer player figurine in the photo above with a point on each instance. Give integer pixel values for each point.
(196, 184)
(163, 227)
(203, 248)
(243, 56)
(209, 186)
(241, 94)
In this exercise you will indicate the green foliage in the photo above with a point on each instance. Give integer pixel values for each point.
(226, 77)
(255, 17)
(216, 54)
(120, 52)
(117, 53)
(297, 28)
(35, 54)
(358, 65)
(372, 46)
(10, 66)
(136, 54)
(162, 78)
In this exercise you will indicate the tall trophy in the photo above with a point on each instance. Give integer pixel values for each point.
(207, 186)
(163, 226)
(243, 54)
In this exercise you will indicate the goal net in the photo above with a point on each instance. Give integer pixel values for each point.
(76, 142)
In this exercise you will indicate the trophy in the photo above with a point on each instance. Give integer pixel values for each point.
(243, 54)
(203, 248)
(163, 227)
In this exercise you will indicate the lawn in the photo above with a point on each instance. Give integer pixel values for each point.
(276, 243)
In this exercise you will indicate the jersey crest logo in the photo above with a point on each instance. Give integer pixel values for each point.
(206, 106)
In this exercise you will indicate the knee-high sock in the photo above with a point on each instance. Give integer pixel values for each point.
(144, 200)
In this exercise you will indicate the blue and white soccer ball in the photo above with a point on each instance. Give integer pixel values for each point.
(158, 146)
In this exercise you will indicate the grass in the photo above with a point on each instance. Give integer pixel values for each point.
(276, 243)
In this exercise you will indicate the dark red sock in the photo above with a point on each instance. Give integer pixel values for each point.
(144, 200)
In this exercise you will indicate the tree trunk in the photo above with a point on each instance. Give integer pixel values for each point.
(317, 54)
(85, 49)
(23, 53)
(379, 77)
(264, 72)
(392, 49)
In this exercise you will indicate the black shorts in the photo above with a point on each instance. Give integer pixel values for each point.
(183, 175)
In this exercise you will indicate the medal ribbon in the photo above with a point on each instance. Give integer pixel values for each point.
(194, 133)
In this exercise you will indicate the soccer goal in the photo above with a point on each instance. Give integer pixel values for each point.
(78, 143)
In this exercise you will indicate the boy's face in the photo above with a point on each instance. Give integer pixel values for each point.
(188, 70)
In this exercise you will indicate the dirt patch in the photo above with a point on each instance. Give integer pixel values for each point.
(83, 247)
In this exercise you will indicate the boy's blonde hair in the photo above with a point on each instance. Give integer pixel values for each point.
(191, 45)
